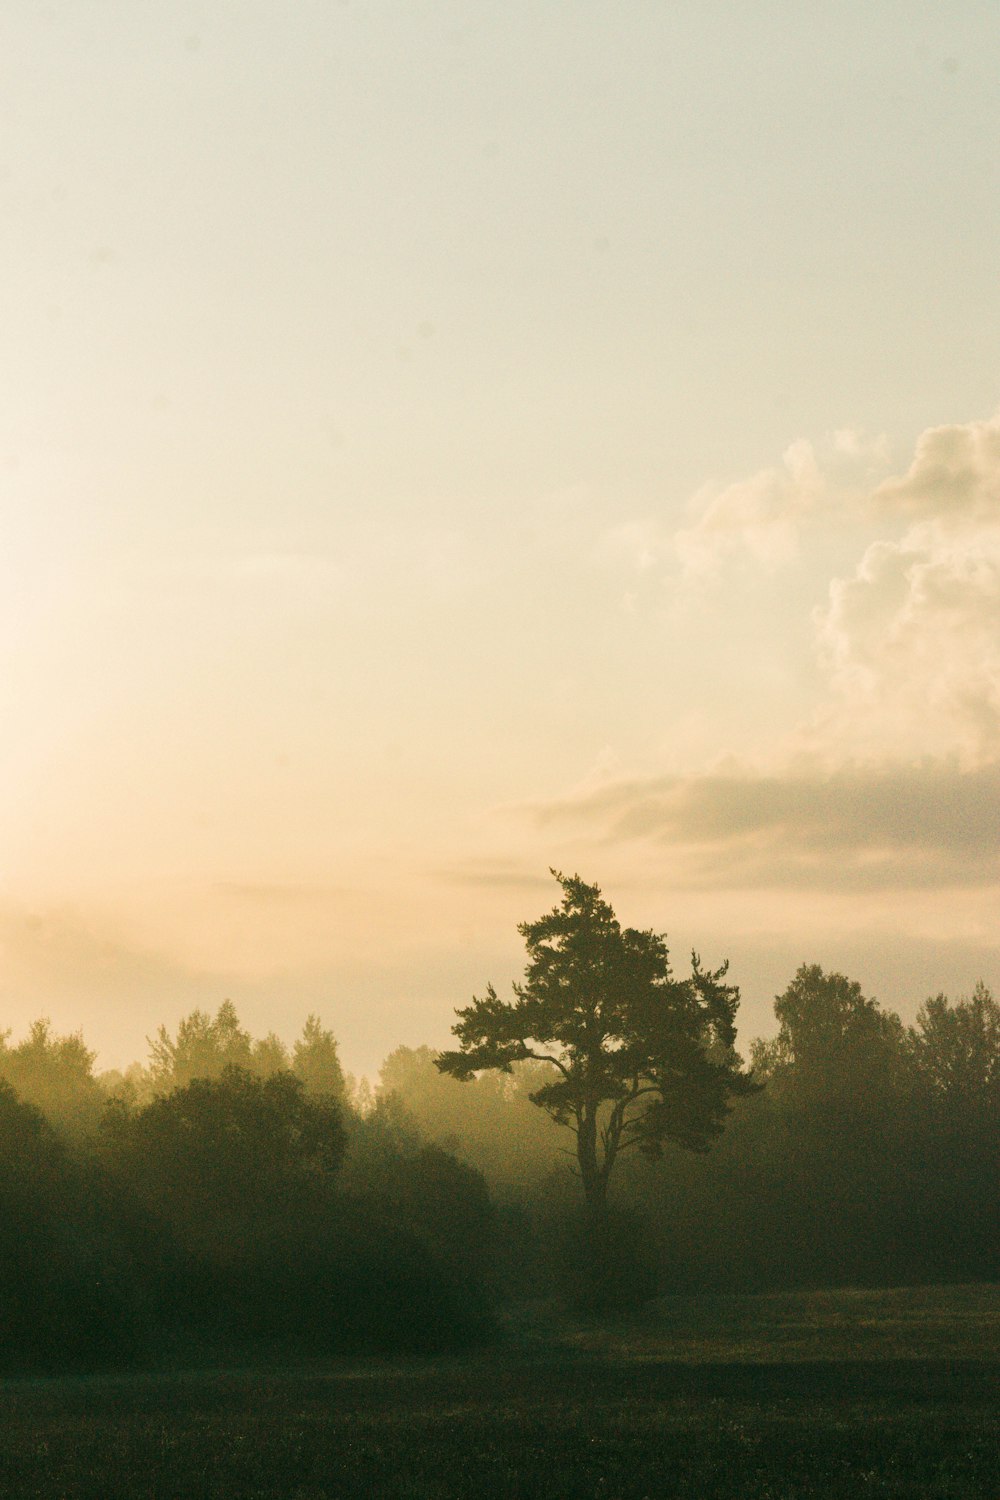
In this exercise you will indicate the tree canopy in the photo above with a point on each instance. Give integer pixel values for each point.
(56, 1075)
(835, 1049)
(316, 1061)
(205, 1046)
(635, 1056)
(225, 1158)
(956, 1050)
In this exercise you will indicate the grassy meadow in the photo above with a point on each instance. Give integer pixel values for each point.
(840, 1393)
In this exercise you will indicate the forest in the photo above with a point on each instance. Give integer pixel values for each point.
(232, 1194)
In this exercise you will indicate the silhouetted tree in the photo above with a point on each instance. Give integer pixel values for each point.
(638, 1058)
(279, 1241)
(132, 1085)
(420, 1187)
(954, 1056)
(269, 1055)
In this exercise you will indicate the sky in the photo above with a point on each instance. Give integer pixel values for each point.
(440, 443)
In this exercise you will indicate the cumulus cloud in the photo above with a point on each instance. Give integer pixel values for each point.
(892, 779)
(908, 642)
(954, 479)
(911, 641)
(955, 475)
(762, 518)
(760, 515)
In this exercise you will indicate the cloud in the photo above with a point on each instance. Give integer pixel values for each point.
(493, 874)
(955, 474)
(763, 517)
(760, 515)
(954, 478)
(908, 640)
(68, 952)
(911, 639)
(911, 643)
(892, 780)
(874, 826)
(283, 893)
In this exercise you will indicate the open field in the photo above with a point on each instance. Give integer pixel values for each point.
(828, 1394)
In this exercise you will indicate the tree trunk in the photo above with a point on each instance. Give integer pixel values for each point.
(596, 1248)
(595, 1188)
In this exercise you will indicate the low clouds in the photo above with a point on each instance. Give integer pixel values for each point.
(60, 962)
(493, 874)
(859, 827)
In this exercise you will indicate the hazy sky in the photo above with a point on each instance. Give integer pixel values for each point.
(441, 441)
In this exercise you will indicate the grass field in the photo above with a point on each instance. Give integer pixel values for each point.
(827, 1394)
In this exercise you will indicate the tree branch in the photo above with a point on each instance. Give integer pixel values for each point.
(544, 1057)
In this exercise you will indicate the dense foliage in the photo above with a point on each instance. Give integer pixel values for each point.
(236, 1196)
(235, 1212)
(870, 1156)
(636, 1057)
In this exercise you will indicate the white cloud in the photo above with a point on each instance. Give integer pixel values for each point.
(908, 640)
(894, 780)
(912, 645)
(760, 515)
(762, 518)
(954, 476)
(911, 639)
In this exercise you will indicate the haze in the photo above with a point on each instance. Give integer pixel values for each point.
(440, 442)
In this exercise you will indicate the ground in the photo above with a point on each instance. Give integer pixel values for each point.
(835, 1394)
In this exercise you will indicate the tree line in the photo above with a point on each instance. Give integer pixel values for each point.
(228, 1197)
(233, 1193)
